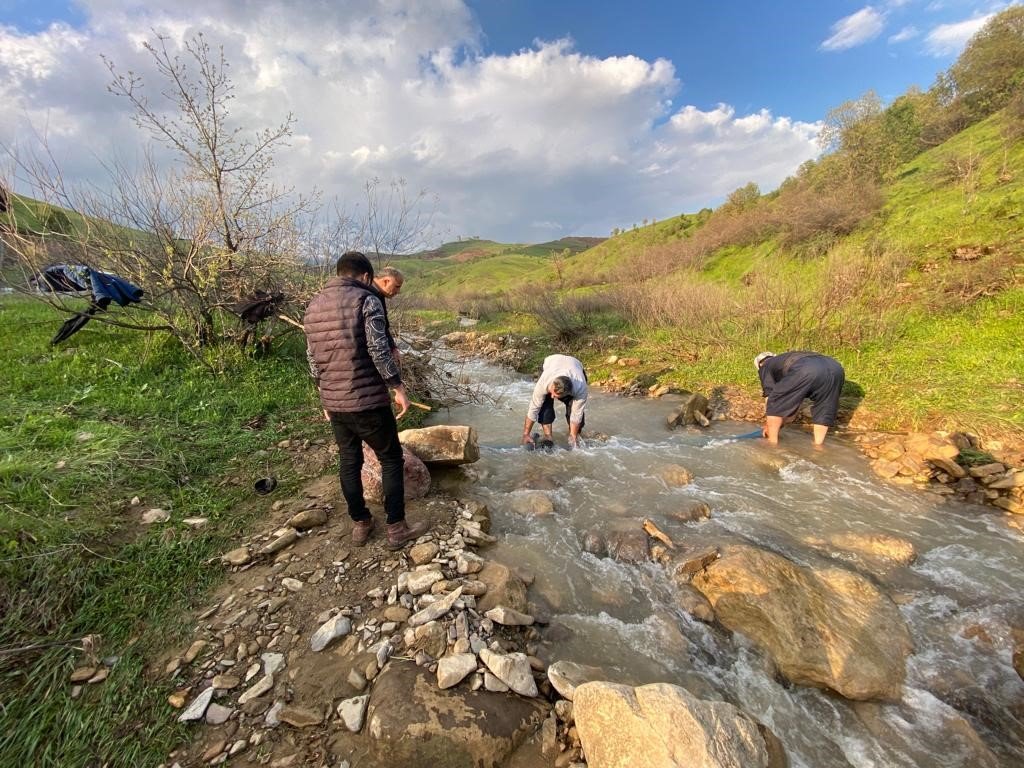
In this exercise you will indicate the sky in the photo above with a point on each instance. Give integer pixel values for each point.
(524, 120)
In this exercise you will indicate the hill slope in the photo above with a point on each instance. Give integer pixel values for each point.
(923, 300)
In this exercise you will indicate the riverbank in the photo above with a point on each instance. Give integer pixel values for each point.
(974, 468)
(101, 437)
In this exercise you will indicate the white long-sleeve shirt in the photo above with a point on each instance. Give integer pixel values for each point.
(555, 366)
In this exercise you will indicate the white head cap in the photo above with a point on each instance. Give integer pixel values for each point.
(761, 358)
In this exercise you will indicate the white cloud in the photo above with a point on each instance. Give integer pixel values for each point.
(511, 145)
(949, 39)
(907, 33)
(856, 29)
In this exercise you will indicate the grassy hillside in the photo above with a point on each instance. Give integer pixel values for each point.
(922, 301)
(34, 217)
(472, 268)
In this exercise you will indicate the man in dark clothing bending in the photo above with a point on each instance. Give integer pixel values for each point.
(788, 378)
(351, 360)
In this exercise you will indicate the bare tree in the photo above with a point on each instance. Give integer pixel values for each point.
(198, 236)
(208, 232)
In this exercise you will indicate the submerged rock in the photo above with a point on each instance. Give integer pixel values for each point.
(532, 504)
(628, 544)
(664, 725)
(876, 545)
(827, 627)
(691, 512)
(693, 410)
(694, 603)
(594, 543)
(675, 475)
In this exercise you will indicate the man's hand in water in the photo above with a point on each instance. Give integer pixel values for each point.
(527, 439)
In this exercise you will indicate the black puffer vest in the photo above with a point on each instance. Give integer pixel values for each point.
(336, 337)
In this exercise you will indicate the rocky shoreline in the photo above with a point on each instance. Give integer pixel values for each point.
(317, 653)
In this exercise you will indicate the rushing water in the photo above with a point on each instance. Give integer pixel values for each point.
(962, 704)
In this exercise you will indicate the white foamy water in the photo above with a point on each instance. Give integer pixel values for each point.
(962, 705)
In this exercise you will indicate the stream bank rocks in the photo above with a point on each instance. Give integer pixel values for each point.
(948, 464)
(505, 349)
(318, 652)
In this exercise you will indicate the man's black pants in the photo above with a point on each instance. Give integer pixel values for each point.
(546, 415)
(379, 430)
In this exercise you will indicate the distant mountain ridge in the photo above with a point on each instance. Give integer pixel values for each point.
(474, 247)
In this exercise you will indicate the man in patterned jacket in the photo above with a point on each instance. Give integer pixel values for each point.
(353, 365)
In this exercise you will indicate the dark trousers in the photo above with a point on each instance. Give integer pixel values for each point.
(379, 430)
(546, 414)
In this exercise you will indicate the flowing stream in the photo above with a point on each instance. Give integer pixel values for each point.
(962, 704)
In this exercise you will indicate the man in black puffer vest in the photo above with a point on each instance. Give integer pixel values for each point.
(351, 360)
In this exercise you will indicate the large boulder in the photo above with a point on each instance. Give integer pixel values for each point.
(443, 445)
(662, 725)
(503, 588)
(413, 722)
(417, 476)
(827, 627)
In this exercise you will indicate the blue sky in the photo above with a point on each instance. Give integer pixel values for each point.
(747, 53)
(528, 120)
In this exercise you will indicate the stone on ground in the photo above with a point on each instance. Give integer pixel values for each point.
(417, 476)
(443, 445)
(452, 670)
(412, 722)
(353, 712)
(513, 669)
(330, 631)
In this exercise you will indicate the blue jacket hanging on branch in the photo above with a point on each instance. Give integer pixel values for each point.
(102, 288)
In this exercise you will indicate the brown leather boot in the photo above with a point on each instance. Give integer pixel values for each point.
(361, 530)
(401, 533)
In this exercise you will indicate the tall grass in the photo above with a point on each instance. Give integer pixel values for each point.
(85, 427)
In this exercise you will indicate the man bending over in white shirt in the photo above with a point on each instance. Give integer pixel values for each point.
(563, 379)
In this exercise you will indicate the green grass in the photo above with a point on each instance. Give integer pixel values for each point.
(85, 427)
(968, 191)
(962, 369)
